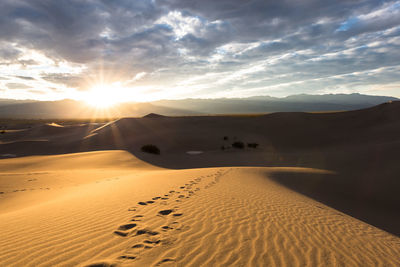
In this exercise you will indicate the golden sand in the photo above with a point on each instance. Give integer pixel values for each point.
(108, 207)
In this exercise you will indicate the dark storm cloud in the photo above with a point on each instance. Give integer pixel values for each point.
(151, 42)
(212, 36)
(254, 19)
(176, 39)
(63, 29)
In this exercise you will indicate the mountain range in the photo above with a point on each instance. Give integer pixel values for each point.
(68, 109)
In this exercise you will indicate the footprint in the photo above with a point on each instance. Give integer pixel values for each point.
(152, 242)
(127, 226)
(141, 232)
(177, 214)
(150, 202)
(123, 234)
(142, 203)
(127, 257)
(138, 246)
(152, 233)
(101, 264)
(165, 261)
(155, 198)
(165, 212)
(145, 231)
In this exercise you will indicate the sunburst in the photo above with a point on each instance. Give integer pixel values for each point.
(102, 96)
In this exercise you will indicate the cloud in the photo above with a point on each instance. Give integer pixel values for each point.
(25, 78)
(213, 47)
(8, 52)
(68, 80)
(17, 86)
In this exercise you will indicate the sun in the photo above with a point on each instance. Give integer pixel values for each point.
(101, 96)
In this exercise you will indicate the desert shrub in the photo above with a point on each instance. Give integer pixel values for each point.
(238, 144)
(252, 145)
(151, 149)
(3, 132)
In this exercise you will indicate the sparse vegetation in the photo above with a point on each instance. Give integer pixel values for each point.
(152, 149)
(238, 144)
(252, 145)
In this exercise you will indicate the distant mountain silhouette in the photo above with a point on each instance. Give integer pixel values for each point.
(6, 102)
(266, 104)
(71, 109)
(259, 104)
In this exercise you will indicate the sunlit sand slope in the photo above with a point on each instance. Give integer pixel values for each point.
(146, 216)
(32, 180)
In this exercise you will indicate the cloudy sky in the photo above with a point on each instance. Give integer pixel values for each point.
(152, 49)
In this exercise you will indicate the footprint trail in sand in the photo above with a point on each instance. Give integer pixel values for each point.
(159, 219)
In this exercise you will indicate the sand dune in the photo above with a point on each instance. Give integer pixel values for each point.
(320, 190)
(31, 180)
(136, 215)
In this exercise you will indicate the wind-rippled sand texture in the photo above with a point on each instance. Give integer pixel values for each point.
(132, 214)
